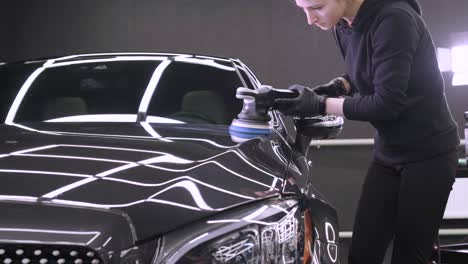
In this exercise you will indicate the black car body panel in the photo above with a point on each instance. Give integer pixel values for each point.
(192, 176)
(152, 176)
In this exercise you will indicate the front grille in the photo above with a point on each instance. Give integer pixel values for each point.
(47, 254)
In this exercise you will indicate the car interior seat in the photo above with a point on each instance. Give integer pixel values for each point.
(63, 107)
(202, 106)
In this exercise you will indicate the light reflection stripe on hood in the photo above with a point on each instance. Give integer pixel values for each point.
(176, 179)
(48, 173)
(33, 149)
(71, 157)
(67, 188)
(208, 162)
(192, 189)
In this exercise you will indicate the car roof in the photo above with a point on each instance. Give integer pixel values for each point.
(77, 57)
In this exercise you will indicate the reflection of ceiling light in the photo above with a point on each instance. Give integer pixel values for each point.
(456, 61)
(444, 57)
(460, 65)
(158, 72)
(460, 59)
(121, 58)
(460, 78)
(205, 62)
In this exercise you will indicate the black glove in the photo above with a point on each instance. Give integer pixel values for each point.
(307, 103)
(335, 88)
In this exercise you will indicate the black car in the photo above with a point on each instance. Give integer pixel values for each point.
(128, 158)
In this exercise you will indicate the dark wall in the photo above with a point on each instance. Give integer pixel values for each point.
(271, 36)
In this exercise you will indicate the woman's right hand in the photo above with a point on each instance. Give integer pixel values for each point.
(335, 88)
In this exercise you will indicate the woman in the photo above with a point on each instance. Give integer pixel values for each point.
(390, 60)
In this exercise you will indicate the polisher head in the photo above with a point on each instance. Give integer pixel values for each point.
(242, 130)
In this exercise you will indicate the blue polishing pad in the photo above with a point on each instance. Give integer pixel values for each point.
(243, 130)
(248, 130)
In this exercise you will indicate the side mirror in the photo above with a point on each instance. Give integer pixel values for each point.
(320, 127)
(315, 128)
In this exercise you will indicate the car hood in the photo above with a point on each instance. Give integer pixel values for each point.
(154, 177)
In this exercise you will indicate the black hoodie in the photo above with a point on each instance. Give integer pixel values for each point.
(391, 61)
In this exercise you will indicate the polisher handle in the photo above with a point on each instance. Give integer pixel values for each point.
(246, 93)
(283, 93)
(264, 91)
(258, 102)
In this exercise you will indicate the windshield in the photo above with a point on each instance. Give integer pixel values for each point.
(129, 89)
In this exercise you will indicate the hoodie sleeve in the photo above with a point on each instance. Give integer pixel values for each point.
(394, 43)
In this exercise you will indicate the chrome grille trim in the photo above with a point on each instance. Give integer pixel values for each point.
(47, 254)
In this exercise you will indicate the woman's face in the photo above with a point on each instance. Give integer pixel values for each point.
(325, 14)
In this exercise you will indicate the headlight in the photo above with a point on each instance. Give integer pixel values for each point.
(277, 232)
(265, 242)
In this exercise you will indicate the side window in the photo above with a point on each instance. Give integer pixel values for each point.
(12, 78)
(197, 93)
(251, 75)
(86, 89)
(246, 78)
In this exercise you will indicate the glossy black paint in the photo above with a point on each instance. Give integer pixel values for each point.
(142, 192)
(213, 173)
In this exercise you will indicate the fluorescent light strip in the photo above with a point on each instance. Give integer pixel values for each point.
(117, 54)
(143, 108)
(107, 242)
(260, 222)
(110, 206)
(214, 162)
(193, 191)
(198, 238)
(118, 169)
(460, 78)
(176, 179)
(203, 140)
(163, 153)
(47, 173)
(112, 148)
(273, 184)
(18, 198)
(116, 59)
(48, 231)
(236, 152)
(71, 157)
(94, 233)
(67, 188)
(33, 149)
(72, 186)
(166, 158)
(444, 58)
(211, 58)
(177, 204)
(100, 135)
(280, 208)
(460, 59)
(223, 221)
(205, 62)
(26, 241)
(92, 239)
(31, 129)
(153, 132)
(256, 213)
(130, 118)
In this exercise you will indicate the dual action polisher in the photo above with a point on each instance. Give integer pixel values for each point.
(253, 120)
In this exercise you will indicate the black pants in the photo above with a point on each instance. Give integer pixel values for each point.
(405, 204)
